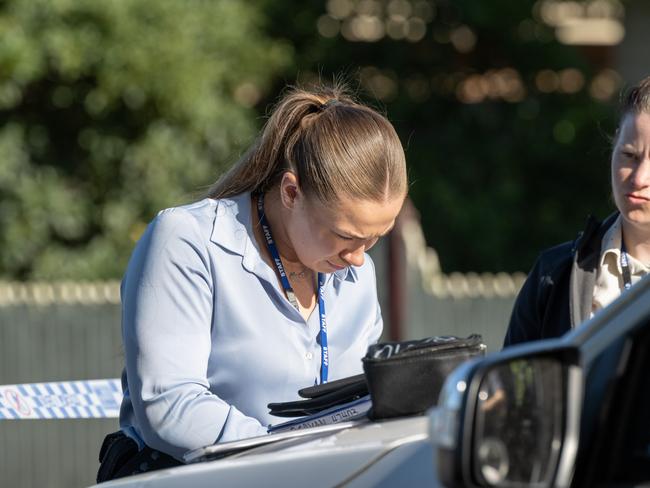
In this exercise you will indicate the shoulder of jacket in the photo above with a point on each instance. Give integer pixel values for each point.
(558, 251)
(592, 234)
(557, 257)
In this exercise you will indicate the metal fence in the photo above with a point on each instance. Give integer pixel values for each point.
(55, 342)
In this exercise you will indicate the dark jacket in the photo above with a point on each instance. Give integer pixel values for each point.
(558, 292)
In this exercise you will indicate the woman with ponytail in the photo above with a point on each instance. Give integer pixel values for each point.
(260, 289)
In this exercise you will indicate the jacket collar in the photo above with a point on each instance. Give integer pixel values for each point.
(611, 244)
(586, 256)
(589, 240)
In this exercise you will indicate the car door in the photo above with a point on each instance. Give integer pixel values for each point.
(615, 448)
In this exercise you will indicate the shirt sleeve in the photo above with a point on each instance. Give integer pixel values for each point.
(167, 301)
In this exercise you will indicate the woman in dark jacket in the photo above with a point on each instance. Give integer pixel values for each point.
(572, 281)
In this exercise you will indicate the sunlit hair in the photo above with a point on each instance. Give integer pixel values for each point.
(637, 99)
(335, 145)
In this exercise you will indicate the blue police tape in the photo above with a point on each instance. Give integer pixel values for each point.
(61, 400)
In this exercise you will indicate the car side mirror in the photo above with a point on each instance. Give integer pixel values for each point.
(504, 422)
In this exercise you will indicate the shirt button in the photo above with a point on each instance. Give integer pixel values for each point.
(309, 355)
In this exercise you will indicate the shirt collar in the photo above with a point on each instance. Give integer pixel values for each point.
(349, 274)
(611, 244)
(232, 230)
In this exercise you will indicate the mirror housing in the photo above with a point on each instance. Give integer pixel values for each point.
(509, 420)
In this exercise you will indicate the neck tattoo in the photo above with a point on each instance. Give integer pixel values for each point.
(300, 275)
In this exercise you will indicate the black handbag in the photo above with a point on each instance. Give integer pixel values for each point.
(405, 378)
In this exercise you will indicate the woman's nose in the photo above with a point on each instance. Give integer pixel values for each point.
(641, 176)
(354, 257)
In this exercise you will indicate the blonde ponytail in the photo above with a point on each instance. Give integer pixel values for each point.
(334, 145)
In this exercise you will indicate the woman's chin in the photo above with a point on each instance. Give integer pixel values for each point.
(637, 216)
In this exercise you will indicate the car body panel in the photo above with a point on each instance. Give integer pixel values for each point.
(328, 460)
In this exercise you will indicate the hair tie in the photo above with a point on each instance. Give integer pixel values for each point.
(329, 103)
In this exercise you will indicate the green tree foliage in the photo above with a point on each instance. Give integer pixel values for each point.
(506, 129)
(112, 110)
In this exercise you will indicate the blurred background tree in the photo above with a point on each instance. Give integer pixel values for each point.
(506, 128)
(110, 111)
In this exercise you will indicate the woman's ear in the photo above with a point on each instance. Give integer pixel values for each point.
(290, 192)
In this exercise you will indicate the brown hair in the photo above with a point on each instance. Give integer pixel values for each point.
(335, 145)
(637, 99)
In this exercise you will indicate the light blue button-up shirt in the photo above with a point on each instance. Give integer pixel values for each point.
(210, 338)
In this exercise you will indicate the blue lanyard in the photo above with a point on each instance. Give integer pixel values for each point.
(291, 296)
(625, 267)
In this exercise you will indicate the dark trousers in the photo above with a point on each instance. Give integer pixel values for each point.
(119, 457)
